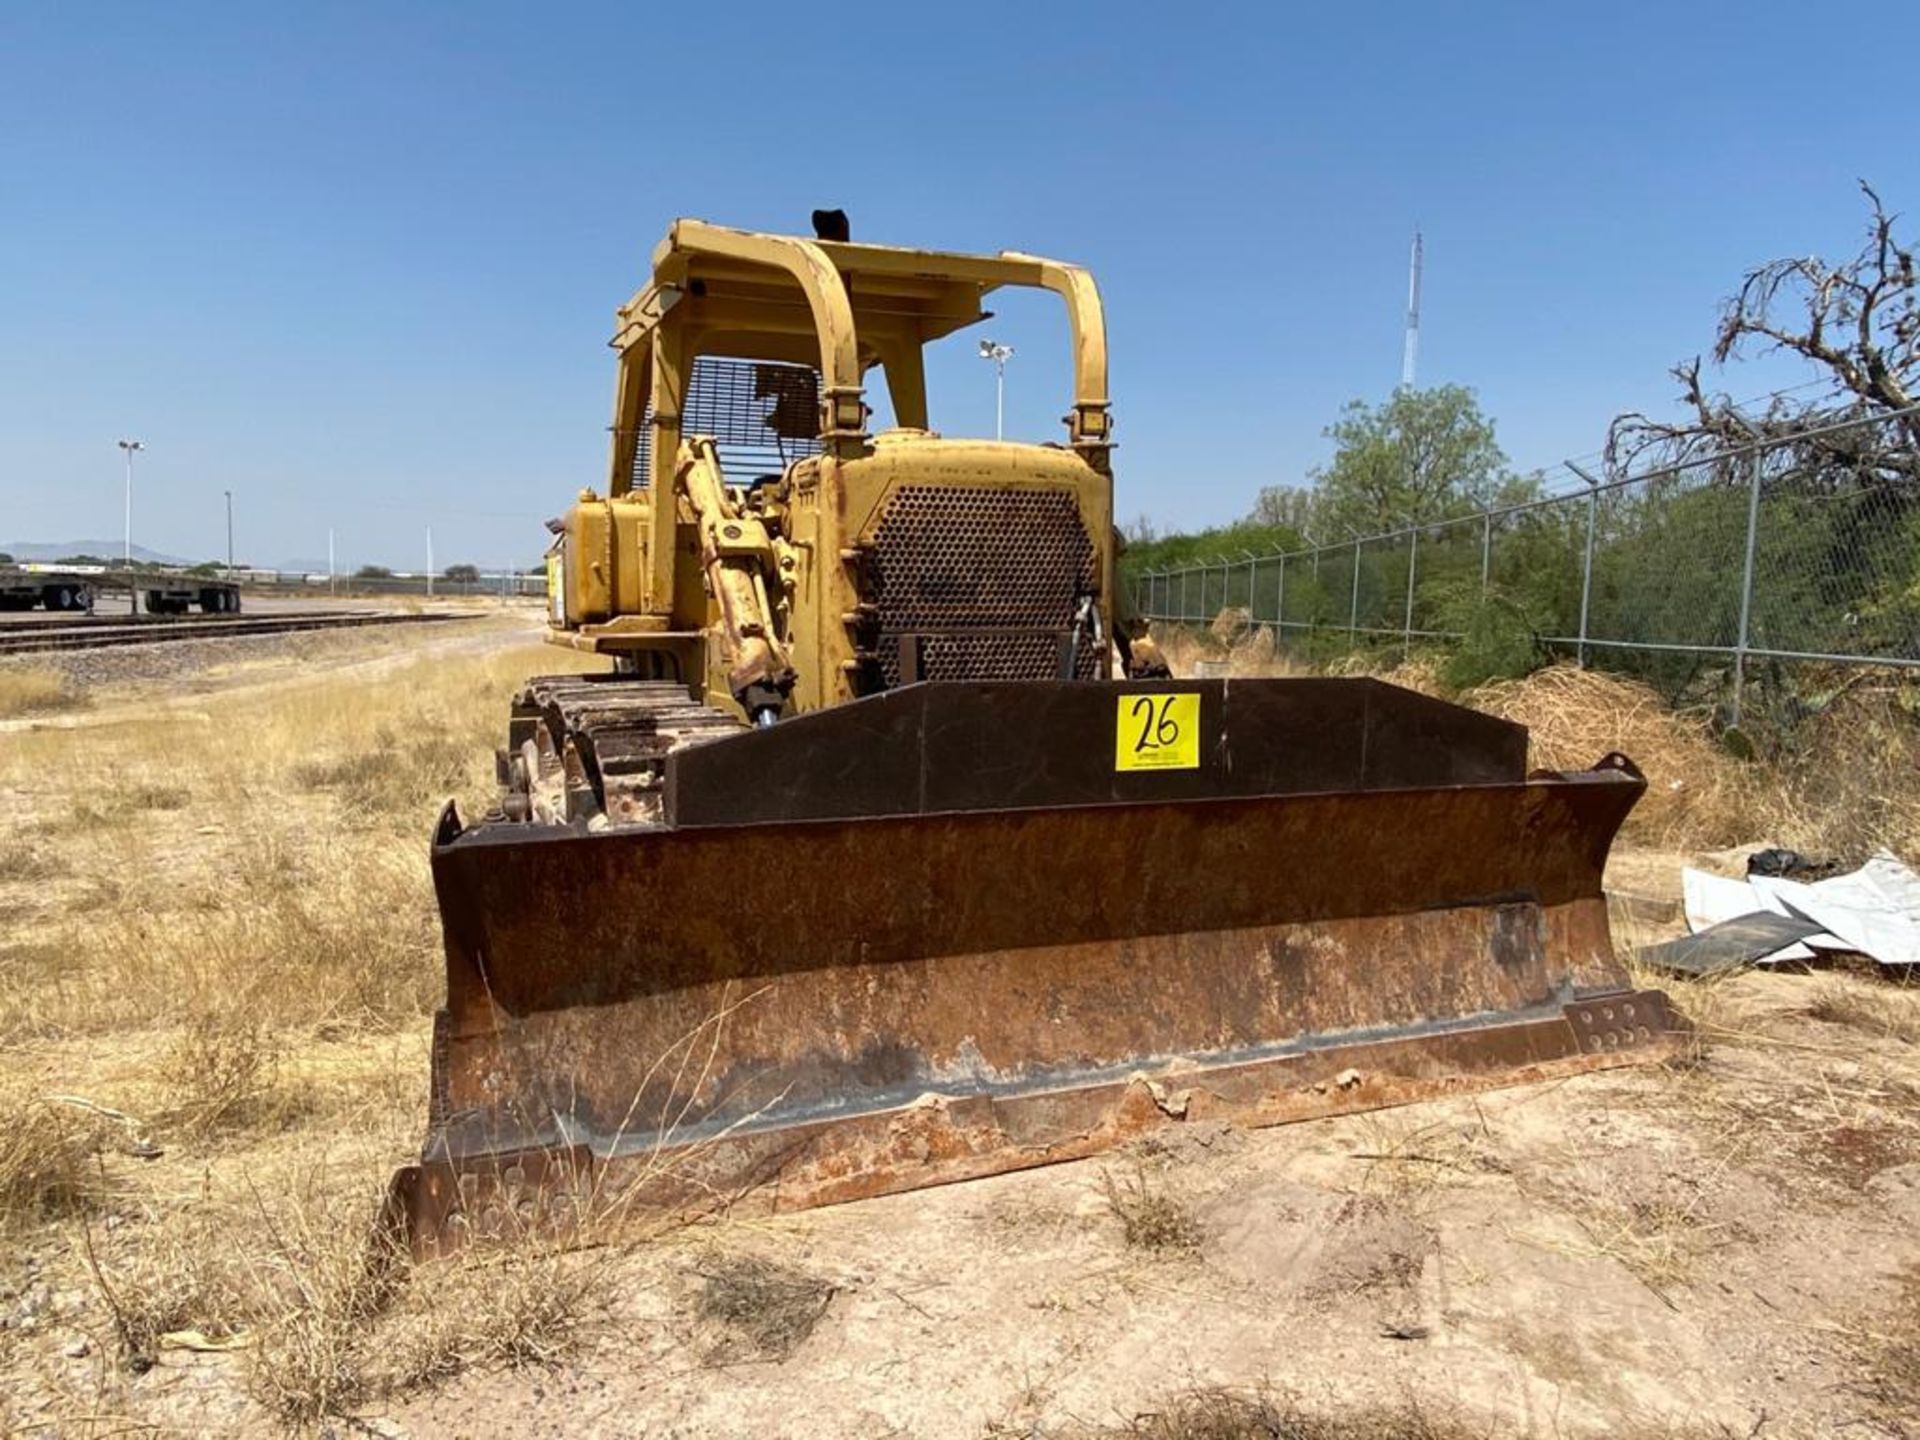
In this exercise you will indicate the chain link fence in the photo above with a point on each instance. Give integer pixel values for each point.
(1799, 550)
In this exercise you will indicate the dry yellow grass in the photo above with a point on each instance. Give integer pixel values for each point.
(1232, 645)
(35, 690)
(1153, 1214)
(1697, 794)
(1215, 1412)
(287, 879)
(221, 919)
(1843, 783)
(1846, 785)
(1879, 1011)
(47, 1156)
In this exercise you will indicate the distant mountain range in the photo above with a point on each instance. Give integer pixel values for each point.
(66, 549)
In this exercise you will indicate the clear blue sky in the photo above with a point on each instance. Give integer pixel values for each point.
(358, 262)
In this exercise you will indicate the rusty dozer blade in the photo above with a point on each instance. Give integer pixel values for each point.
(958, 929)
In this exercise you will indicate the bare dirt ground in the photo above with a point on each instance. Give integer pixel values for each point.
(216, 933)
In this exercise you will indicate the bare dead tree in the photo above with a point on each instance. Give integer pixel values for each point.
(1857, 322)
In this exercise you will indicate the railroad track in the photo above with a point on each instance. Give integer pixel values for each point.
(27, 636)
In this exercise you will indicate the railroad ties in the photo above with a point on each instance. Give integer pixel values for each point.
(98, 632)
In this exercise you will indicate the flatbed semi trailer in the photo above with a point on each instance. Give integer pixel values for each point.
(66, 588)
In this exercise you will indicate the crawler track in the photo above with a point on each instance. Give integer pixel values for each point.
(98, 632)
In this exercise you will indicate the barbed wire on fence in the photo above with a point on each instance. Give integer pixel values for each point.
(1799, 549)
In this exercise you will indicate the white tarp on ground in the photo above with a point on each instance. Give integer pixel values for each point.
(1875, 910)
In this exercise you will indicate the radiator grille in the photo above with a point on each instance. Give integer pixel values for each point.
(986, 580)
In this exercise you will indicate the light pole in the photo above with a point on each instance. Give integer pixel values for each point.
(229, 495)
(329, 562)
(999, 354)
(133, 594)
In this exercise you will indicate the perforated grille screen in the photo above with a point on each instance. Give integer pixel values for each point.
(761, 415)
(987, 579)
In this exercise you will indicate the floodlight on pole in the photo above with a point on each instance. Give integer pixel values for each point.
(999, 354)
(129, 446)
(133, 594)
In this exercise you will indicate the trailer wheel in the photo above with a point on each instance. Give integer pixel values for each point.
(60, 597)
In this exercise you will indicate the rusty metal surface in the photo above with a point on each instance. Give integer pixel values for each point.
(442, 1205)
(948, 748)
(943, 938)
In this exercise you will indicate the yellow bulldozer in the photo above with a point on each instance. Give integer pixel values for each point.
(885, 854)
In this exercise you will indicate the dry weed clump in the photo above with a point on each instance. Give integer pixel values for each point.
(1418, 672)
(48, 1150)
(222, 1068)
(393, 776)
(1876, 1010)
(324, 1277)
(23, 860)
(183, 1272)
(1233, 643)
(1152, 1215)
(1851, 777)
(765, 1309)
(1217, 1412)
(532, 1306)
(36, 690)
(1414, 1163)
(1659, 1233)
(321, 1304)
(1698, 796)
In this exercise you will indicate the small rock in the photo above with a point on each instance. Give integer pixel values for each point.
(1347, 1079)
(78, 1349)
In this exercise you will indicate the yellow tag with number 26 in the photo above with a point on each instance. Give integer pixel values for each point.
(1157, 732)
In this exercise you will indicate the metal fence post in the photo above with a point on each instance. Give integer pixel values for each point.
(1586, 574)
(1319, 596)
(1353, 609)
(1280, 601)
(1486, 550)
(1586, 568)
(1746, 584)
(1413, 556)
(1183, 596)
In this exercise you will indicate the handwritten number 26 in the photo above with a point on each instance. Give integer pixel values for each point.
(1157, 725)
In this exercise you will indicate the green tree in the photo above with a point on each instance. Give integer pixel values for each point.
(1288, 505)
(1423, 455)
(373, 572)
(462, 575)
